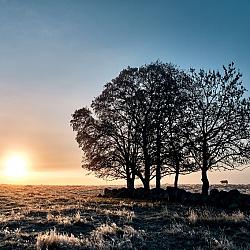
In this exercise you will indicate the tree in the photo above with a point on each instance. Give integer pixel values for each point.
(136, 128)
(109, 141)
(152, 97)
(116, 107)
(92, 139)
(177, 160)
(219, 133)
(160, 96)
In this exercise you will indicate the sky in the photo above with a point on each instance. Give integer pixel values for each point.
(55, 57)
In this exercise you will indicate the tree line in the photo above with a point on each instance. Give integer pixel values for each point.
(158, 120)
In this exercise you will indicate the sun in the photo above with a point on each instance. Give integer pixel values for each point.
(16, 166)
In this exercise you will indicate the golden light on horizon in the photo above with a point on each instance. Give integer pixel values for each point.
(16, 166)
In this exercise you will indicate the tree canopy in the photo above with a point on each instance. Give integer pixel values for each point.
(157, 120)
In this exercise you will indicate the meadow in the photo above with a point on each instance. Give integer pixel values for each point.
(74, 217)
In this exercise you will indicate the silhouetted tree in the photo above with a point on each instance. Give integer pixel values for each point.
(219, 134)
(109, 141)
(160, 96)
(178, 160)
(136, 129)
(92, 139)
(117, 108)
(152, 98)
(163, 101)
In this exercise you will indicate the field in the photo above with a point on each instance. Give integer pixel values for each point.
(73, 217)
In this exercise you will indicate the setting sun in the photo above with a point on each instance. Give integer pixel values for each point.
(16, 166)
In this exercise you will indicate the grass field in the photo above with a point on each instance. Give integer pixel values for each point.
(72, 217)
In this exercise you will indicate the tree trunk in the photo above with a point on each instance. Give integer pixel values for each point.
(177, 172)
(158, 173)
(205, 156)
(145, 181)
(130, 183)
(146, 177)
(130, 176)
(158, 159)
(147, 160)
(146, 170)
(146, 184)
(158, 178)
(205, 182)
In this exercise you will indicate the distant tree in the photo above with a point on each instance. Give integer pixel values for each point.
(219, 134)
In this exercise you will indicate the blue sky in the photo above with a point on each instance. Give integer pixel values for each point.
(55, 56)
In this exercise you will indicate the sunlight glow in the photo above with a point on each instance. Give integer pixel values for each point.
(16, 166)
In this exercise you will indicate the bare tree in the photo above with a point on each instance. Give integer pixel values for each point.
(219, 133)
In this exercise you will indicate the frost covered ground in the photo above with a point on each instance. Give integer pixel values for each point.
(72, 217)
